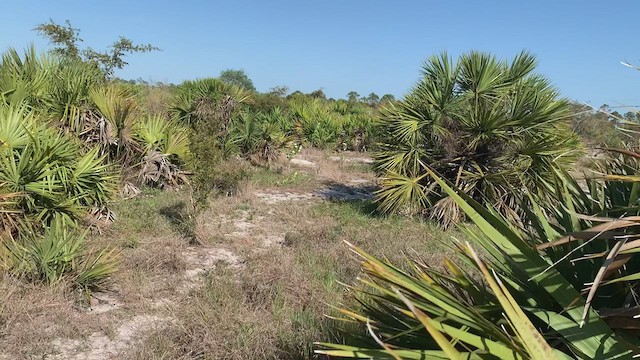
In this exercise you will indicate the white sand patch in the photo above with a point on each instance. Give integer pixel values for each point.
(361, 160)
(273, 197)
(303, 163)
(202, 259)
(102, 302)
(99, 346)
(270, 241)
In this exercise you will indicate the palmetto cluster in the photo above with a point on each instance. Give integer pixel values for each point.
(561, 283)
(69, 139)
(51, 173)
(557, 281)
(341, 124)
(490, 127)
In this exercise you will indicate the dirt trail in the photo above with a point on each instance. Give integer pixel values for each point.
(243, 231)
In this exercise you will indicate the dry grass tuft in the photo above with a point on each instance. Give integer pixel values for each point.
(270, 311)
(32, 316)
(151, 270)
(338, 168)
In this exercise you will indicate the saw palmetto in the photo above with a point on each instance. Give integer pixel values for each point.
(490, 127)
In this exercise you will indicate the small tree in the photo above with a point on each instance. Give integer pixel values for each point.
(237, 78)
(280, 90)
(387, 98)
(318, 94)
(353, 96)
(65, 39)
(630, 116)
(594, 127)
(373, 99)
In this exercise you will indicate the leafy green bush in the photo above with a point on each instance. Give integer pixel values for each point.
(68, 137)
(488, 126)
(204, 98)
(595, 128)
(208, 106)
(76, 98)
(48, 185)
(55, 171)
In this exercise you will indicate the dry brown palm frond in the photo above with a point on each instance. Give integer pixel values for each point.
(97, 131)
(157, 168)
(9, 213)
(129, 190)
(99, 218)
(446, 212)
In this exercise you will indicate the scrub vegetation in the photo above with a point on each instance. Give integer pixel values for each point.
(481, 216)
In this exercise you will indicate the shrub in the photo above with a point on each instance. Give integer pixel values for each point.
(212, 107)
(340, 125)
(488, 126)
(74, 97)
(208, 107)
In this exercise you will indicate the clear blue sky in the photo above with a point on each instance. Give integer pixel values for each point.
(348, 45)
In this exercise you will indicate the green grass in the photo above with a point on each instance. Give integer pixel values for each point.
(264, 177)
(325, 261)
(244, 206)
(143, 215)
(358, 167)
(360, 223)
(153, 213)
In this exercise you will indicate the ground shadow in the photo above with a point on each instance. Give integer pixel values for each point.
(360, 197)
(339, 192)
(180, 219)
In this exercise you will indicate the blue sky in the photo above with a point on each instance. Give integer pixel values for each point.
(348, 45)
